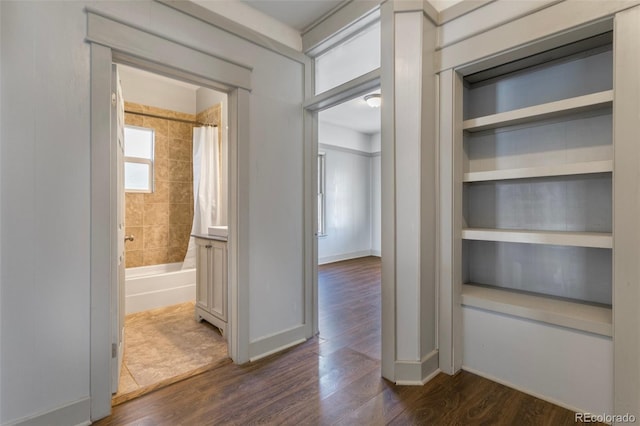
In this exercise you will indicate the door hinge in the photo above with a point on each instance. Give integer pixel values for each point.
(114, 97)
(114, 350)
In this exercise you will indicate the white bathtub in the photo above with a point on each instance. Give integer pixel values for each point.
(150, 287)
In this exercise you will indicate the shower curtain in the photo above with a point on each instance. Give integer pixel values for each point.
(206, 186)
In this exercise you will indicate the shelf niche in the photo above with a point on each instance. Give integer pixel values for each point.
(580, 203)
(577, 273)
(537, 187)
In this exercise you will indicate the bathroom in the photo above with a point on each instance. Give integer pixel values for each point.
(163, 341)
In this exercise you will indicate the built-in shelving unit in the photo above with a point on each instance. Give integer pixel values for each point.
(537, 175)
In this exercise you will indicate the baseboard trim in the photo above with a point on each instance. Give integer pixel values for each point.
(376, 253)
(523, 389)
(345, 256)
(77, 413)
(417, 373)
(277, 342)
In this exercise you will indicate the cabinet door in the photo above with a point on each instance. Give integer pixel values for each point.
(218, 276)
(203, 263)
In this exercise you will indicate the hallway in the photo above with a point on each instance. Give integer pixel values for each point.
(334, 378)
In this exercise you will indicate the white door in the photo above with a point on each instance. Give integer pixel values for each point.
(117, 132)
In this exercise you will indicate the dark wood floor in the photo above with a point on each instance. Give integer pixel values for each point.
(335, 379)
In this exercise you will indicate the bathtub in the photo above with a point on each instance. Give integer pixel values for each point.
(155, 286)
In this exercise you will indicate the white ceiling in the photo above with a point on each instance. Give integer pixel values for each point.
(297, 14)
(300, 14)
(354, 114)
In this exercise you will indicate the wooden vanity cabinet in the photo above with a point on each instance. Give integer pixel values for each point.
(211, 282)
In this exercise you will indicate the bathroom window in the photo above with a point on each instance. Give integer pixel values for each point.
(138, 159)
(321, 195)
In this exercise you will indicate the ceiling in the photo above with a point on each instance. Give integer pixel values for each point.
(297, 14)
(354, 114)
(300, 14)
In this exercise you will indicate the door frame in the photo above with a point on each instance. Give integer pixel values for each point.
(114, 42)
(338, 95)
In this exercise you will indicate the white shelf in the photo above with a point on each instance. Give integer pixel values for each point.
(539, 112)
(543, 171)
(561, 238)
(575, 315)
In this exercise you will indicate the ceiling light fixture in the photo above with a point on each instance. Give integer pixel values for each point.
(374, 100)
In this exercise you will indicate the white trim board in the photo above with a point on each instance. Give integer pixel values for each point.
(626, 296)
(338, 25)
(345, 92)
(417, 372)
(109, 32)
(557, 25)
(460, 9)
(490, 15)
(76, 413)
(347, 256)
(235, 28)
(275, 343)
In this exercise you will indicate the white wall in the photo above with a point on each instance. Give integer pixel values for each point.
(45, 197)
(355, 57)
(375, 143)
(331, 134)
(145, 88)
(45, 208)
(348, 206)
(206, 98)
(534, 357)
(352, 191)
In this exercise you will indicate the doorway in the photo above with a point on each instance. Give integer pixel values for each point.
(233, 79)
(349, 223)
(161, 340)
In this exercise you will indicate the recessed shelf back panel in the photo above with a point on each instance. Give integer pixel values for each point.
(570, 203)
(539, 85)
(579, 138)
(571, 272)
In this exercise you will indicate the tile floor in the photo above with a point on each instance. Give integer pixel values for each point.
(166, 345)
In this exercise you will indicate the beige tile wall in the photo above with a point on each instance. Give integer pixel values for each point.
(161, 221)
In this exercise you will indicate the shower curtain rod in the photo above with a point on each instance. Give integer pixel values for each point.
(169, 118)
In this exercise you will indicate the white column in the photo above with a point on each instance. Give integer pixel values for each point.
(409, 157)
